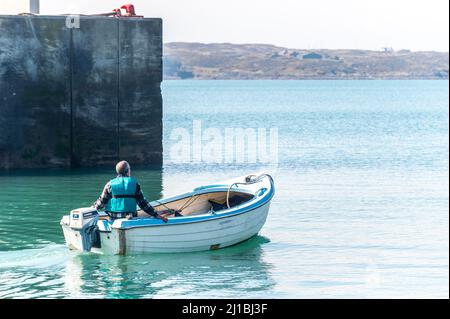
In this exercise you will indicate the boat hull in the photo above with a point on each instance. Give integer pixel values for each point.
(205, 235)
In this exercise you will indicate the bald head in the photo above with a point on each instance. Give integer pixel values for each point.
(123, 168)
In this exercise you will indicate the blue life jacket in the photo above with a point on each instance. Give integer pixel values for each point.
(123, 198)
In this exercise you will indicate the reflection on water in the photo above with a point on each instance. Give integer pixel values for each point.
(238, 271)
(233, 272)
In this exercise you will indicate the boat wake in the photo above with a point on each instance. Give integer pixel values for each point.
(46, 256)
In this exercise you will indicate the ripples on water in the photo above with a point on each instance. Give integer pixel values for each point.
(361, 208)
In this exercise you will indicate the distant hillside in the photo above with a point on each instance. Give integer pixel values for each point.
(259, 61)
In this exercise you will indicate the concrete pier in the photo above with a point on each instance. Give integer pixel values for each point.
(80, 93)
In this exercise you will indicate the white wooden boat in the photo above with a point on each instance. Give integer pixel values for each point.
(213, 216)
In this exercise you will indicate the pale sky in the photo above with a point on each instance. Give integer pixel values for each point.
(329, 24)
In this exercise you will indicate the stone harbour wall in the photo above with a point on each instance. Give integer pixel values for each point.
(81, 95)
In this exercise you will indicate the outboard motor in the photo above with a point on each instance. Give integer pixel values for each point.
(85, 221)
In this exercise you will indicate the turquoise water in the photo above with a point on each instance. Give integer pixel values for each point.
(361, 209)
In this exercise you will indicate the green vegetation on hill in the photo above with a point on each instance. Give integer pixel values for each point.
(260, 61)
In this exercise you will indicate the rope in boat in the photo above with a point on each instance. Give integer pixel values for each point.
(250, 179)
(188, 203)
(169, 209)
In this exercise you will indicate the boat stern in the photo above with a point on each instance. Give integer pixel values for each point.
(80, 229)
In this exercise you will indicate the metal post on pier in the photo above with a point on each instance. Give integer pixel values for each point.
(34, 6)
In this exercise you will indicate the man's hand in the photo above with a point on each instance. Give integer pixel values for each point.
(163, 218)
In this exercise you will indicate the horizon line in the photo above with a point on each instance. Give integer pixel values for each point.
(311, 49)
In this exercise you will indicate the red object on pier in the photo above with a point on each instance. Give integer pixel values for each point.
(130, 12)
(129, 8)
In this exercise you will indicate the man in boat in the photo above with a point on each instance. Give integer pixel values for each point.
(121, 194)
